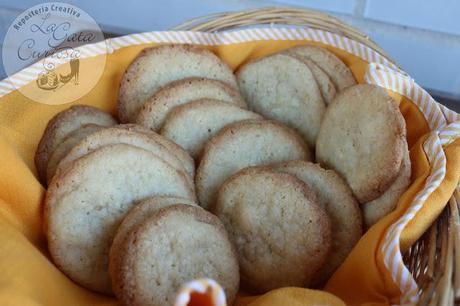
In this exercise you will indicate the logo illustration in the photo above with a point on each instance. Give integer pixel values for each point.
(49, 80)
(54, 53)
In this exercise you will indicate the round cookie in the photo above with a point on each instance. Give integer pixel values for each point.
(325, 85)
(118, 135)
(138, 214)
(338, 72)
(334, 195)
(362, 138)
(177, 244)
(155, 109)
(374, 210)
(61, 125)
(173, 147)
(243, 144)
(156, 67)
(191, 125)
(66, 145)
(85, 203)
(283, 88)
(282, 236)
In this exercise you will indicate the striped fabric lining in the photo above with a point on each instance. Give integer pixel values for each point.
(256, 34)
(438, 118)
(444, 123)
(449, 114)
(390, 248)
(29, 74)
(390, 79)
(108, 46)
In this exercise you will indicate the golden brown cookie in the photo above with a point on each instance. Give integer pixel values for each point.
(86, 202)
(325, 85)
(333, 195)
(192, 125)
(61, 125)
(362, 137)
(156, 67)
(137, 215)
(283, 88)
(66, 145)
(115, 135)
(339, 73)
(175, 245)
(282, 236)
(376, 209)
(173, 147)
(243, 144)
(156, 108)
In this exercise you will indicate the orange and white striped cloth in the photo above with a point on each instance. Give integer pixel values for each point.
(374, 273)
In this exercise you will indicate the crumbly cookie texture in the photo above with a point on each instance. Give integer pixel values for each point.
(85, 203)
(117, 135)
(66, 145)
(158, 66)
(156, 108)
(281, 234)
(243, 144)
(192, 125)
(376, 209)
(62, 125)
(362, 138)
(283, 88)
(341, 76)
(333, 195)
(176, 244)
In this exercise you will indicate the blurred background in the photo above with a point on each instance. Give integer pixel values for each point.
(422, 36)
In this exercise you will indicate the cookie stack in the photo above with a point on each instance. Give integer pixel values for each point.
(126, 212)
(165, 242)
(72, 124)
(363, 138)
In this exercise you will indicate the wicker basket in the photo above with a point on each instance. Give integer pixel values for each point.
(434, 259)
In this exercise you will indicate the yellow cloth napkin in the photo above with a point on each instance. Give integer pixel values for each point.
(28, 276)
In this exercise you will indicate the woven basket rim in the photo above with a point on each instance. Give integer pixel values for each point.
(288, 16)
